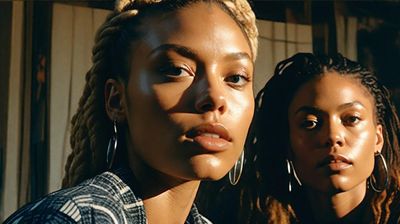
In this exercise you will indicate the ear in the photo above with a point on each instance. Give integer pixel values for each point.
(379, 138)
(114, 95)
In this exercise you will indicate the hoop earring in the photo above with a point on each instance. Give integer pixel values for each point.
(292, 174)
(373, 180)
(112, 146)
(236, 171)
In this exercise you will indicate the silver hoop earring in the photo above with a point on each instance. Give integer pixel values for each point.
(112, 146)
(292, 174)
(373, 180)
(236, 171)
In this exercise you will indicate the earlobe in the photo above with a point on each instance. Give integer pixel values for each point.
(379, 138)
(114, 99)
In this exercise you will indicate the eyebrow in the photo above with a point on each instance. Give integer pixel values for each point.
(351, 104)
(184, 51)
(187, 52)
(239, 56)
(309, 109)
(316, 110)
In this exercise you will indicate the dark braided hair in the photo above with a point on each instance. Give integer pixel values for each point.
(270, 201)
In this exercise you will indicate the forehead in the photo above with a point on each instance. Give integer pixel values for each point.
(331, 90)
(198, 25)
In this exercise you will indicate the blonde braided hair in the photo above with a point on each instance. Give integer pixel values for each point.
(245, 15)
(91, 127)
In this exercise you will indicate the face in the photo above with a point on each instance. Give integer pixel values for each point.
(189, 97)
(333, 133)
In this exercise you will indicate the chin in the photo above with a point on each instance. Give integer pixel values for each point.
(335, 185)
(210, 168)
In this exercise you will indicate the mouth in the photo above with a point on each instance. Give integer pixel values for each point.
(210, 137)
(336, 162)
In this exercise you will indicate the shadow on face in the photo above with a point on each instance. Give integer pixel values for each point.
(188, 102)
(333, 133)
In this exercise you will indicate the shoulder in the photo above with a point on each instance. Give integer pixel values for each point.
(196, 218)
(103, 197)
(55, 208)
(204, 220)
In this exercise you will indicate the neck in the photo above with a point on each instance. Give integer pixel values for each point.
(165, 198)
(175, 203)
(329, 208)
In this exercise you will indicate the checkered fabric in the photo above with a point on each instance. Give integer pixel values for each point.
(106, 198)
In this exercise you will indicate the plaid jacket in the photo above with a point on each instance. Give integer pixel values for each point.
(106, 198)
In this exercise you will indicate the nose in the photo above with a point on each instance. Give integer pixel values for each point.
(210, 96)
(334, 134)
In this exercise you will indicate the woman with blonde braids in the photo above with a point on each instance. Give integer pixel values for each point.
(327, 146)
(167, 103)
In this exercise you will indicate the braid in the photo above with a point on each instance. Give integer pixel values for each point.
(273, 200)
(90, 128)
(387, 117)
(90, 125)
(247, 19)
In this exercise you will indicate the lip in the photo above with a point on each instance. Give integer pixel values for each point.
(212, 137)
(336, 162)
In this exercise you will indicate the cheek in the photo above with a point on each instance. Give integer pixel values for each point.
(240, 107)
(362, 146)
(300, 143)
(239, 116)
(302, 149)
(148, 105)
(171, 96)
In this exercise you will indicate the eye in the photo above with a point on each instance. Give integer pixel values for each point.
(174, 72)
(351, 120)
(309, 124)
(237, 80)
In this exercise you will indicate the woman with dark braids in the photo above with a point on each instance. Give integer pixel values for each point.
(326, 141)
(167, 103)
